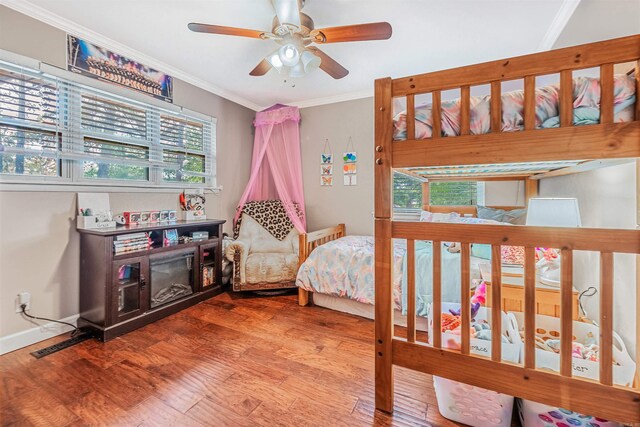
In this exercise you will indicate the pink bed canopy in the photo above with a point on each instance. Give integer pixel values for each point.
(276, 165)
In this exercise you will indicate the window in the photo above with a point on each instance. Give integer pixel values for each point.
(29, 141)
(407, 192)
(456, 193)
(62, 131)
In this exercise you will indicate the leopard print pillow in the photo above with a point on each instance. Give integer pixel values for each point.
(271, 215)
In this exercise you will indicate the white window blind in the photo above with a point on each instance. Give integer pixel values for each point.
(55, 127)
(29, 124)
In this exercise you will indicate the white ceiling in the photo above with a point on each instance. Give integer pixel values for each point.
(428, 35)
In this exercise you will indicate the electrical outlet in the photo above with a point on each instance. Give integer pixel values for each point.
(23, 298)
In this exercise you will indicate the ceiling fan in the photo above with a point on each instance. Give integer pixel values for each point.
(294, 32)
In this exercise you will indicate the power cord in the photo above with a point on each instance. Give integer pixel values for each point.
(75, 331)
(589, 292)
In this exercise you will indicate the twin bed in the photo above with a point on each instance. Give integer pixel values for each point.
(583, 120)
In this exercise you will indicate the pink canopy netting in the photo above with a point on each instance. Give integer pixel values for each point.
(276, 165)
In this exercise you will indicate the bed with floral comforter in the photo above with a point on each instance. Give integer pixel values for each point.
(345, 268)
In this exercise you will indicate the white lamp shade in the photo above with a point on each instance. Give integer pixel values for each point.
(289, 54)
(274, 59)
(297, 70)
(310, 61)
(553, 213)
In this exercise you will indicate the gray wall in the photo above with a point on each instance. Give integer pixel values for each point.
(39, 247)
(352, 205)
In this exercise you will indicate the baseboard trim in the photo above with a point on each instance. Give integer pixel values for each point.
(34, 335)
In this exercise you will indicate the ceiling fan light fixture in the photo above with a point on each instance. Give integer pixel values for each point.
(289, 54)
(310, 62)
(274, 60)
(297, 70)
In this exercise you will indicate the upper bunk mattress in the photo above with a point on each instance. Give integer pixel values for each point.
(586, 109)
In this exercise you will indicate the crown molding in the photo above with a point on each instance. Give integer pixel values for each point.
(70, 27)
(350, 96)
(559, 23)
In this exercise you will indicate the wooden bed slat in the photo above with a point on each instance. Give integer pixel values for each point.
(496, 306)
(585, 239)
(437, 294)
(603, 141)
(529, 102)
(566, 98)
(465, 110)
(606, 93)
(411, 117)
(411, 290)
(606, 318)
(496, 107)
(529, 307)
(465, 298)
(616, 51)
(587, 397)
(436, 112)
(566, 311)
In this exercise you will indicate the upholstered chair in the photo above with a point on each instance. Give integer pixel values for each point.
(265, 249)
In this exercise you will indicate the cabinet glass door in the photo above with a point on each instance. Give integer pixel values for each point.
(129, 288)
(209, 259)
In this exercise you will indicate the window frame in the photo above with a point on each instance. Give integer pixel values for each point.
(70, 133)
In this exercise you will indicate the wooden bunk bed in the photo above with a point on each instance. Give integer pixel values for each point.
(607, 141)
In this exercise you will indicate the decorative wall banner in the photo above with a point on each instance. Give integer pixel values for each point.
(99, 63)
(350, 167)
(326, 165)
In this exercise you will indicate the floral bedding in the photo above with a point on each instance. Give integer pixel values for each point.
(345, 268)
(586, 104)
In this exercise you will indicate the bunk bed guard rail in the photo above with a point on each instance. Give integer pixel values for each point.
(605, 140)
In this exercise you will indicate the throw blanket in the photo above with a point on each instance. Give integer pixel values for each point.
(271, 216)
(345, 268)
(586, 104)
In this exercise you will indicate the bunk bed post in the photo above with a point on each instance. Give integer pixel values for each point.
(531, 189)
(383, 250)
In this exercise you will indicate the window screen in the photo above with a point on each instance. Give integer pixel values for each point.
(407, 192)
(461, 193)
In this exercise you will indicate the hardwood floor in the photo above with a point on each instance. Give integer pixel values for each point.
(230, 361)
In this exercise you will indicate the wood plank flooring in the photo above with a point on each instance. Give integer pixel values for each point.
(229, 361)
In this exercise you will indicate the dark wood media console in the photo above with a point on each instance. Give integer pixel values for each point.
(122, 292)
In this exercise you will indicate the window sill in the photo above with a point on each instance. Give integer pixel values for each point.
(7, 186)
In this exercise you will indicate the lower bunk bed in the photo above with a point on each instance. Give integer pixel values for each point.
(336, 272)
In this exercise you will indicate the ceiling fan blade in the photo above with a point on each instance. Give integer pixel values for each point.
(353, 33)
(261, 69)
(227, 31)
(328, 64)
(288, 12)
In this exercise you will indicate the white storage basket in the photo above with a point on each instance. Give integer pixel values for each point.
(467, 404)
(510, 351)
(534, 414)
(549, 327)
(471, 405)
